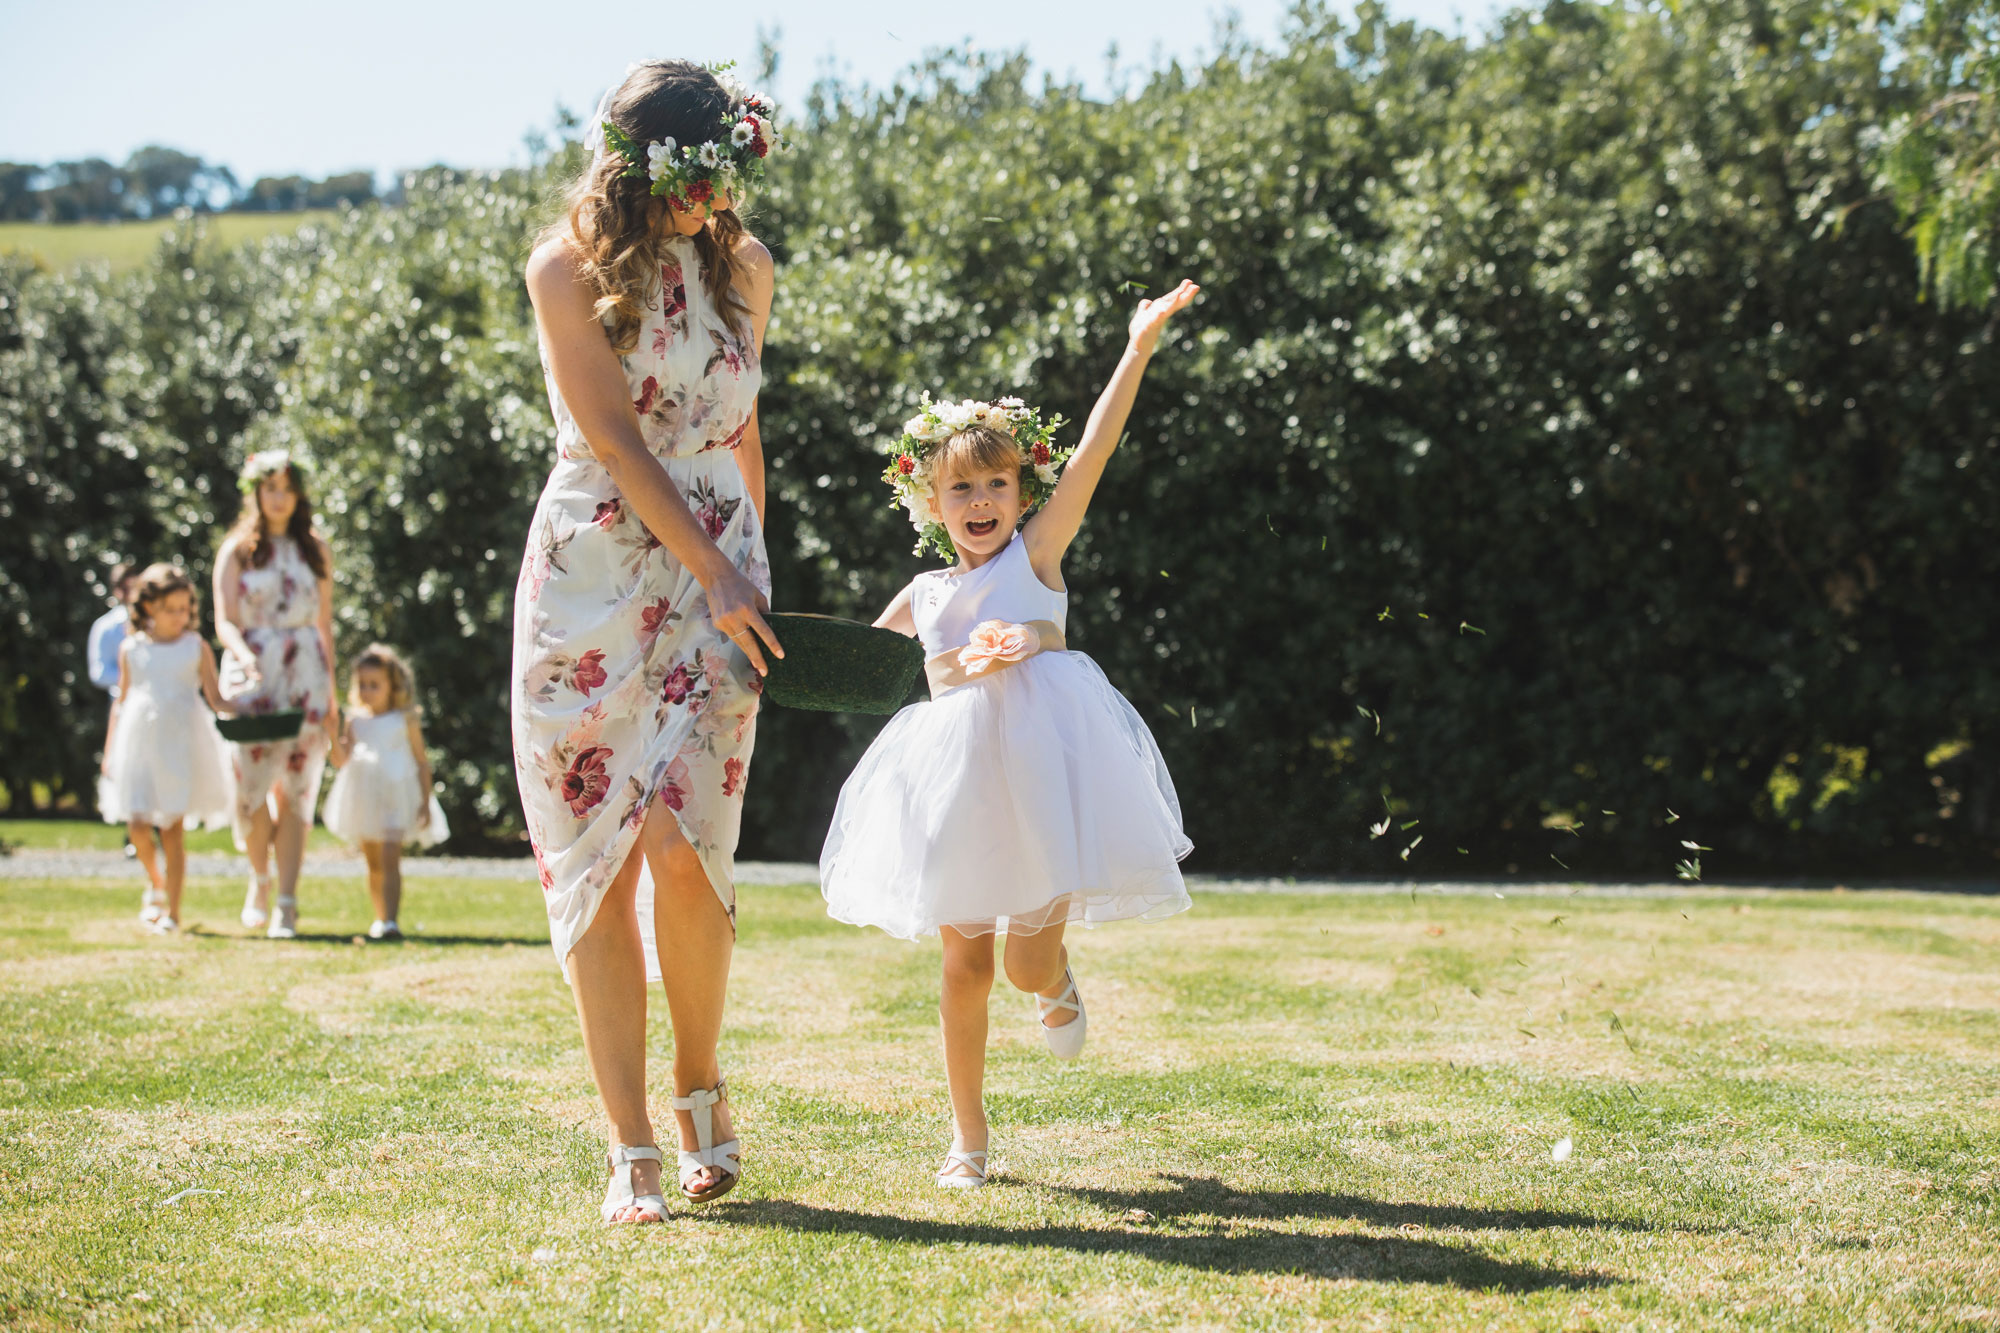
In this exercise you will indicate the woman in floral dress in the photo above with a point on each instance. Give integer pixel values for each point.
(274, 615)
(638, 639)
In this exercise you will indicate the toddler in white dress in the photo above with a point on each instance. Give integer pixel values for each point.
(165, 765)
(382, 796)
(1027, 793)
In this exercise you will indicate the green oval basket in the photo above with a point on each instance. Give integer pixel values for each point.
(261, 727)
(840, 666)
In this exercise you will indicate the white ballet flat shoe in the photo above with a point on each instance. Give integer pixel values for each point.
(256, 915)
(153, 906)
(724, 1157)
(163, 925)
(385, 930)
(618, 1195)
(285, 923)
(1065, 1041)
(974, 1175)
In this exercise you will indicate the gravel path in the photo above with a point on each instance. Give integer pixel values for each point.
(36, 863)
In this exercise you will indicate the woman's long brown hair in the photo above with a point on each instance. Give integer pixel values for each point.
(607, 222)
(249, 528)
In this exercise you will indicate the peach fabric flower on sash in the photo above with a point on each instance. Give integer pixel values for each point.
(998, 641)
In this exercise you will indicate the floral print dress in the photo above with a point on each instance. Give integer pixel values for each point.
(624, 692)
(277, 607)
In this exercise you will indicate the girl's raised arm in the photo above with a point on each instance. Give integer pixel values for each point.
(898, 617)
(1050, 532)
(592, 383)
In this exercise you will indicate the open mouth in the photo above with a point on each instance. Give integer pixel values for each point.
(982, 527)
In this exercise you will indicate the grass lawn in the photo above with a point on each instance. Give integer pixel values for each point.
(123, 245)
(1295, 1111)
(94, 835)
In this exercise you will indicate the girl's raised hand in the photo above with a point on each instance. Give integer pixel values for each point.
(1150, 319)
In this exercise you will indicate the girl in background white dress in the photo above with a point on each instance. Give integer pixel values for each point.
(1027, 794)
(382, 796)
(164, 761)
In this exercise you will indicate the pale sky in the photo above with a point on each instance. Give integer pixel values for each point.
(275, 88)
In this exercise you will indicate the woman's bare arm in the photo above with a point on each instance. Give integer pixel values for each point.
(759, 281)
(592, 384)
(228, 566)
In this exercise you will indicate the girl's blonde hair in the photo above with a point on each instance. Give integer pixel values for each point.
(607, 216)
(976, 449)
(150, 585)
(383, 658)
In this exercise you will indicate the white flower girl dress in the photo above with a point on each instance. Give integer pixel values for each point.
(375, 797)
(1012, 800)
(167, 761)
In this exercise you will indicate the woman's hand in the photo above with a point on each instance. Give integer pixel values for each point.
(252, 677)
(1150, 319)
(737, 608)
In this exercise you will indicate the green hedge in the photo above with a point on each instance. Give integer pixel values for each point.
(1541, 448)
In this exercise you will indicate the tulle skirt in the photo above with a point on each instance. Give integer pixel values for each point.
(166, 763)
(375, 799)
(1033, 796)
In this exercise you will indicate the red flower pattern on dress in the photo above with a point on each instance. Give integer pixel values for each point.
(656, 616)
(586, 780)
(608, 513)
(589, 673)
(673, 291)
(732, 776)
(679, 683)
(674, 788)
(647, 392)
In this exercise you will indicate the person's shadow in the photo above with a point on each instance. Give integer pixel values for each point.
(1200, 1222)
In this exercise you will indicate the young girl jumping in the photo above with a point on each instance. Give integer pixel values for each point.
(1027, 793)
(164, 761)
(382, 796)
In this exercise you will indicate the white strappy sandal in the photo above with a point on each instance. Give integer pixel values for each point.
(256, 915)
(618, 1195)
(955, 1180)
(723, 1157)
(285, 921)
(1065, 1041)
(153, 906)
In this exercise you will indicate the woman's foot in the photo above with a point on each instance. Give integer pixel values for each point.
(1061, 1015)
(153, 905)
(965, 1165)
(633, 1192)
(385, 930)
(257, 902)
(285, 925)
(710, 1154)
(164, 924)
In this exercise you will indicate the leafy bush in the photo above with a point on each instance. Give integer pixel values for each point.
(1542, 448)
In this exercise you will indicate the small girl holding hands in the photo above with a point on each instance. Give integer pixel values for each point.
(1027, 793)
(382, 796)
(164, 762)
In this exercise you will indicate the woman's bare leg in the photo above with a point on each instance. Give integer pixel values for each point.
(289, 840)
(968, 982)
(695, 939)
(173, 841)
(607, 975)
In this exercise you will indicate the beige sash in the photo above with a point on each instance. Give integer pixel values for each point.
(945, 673)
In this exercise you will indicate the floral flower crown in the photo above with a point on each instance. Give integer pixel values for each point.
(688, 174)
(260, 465)
(912, 457)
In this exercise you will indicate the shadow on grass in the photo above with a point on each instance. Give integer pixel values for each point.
(1233, 1242)
(412, 941)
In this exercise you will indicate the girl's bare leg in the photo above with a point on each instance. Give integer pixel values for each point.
(141, 834)
(968, 982)
(695, 940)
(173, 839)
(607, 976)
(389, 899)
(371, 852)
(1036, 962)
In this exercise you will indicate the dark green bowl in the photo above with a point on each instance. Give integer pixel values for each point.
(261, 727)
(841, 666)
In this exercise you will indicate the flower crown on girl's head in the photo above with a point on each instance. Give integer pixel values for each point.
(262, 464)
(687, 174)
(911, 458)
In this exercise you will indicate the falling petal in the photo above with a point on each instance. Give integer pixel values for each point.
(1695, 846)
(1407, 825)
(1465, 626)
(1562, 1150)
(1672, 818)
(1377, 830)
(1559, 861)
(1383, 614)
(1689, 869)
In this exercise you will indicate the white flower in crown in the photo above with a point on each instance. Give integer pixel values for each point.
(1045, 473)
(1011, 403)
(659, 158)
(744, 132)
(710, 156)
(955, 416)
